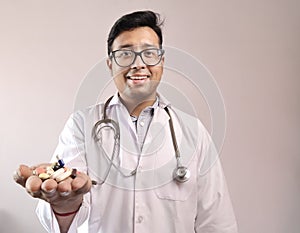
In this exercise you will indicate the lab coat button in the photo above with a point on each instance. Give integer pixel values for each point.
(139, 169)
(142, 123)
(139, 219)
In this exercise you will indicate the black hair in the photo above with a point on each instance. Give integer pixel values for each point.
(134, 20)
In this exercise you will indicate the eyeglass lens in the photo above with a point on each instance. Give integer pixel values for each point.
(126, 58)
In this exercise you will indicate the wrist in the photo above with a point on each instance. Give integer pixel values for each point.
(66, 214)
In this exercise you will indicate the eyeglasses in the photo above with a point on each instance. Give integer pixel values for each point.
(126, 57)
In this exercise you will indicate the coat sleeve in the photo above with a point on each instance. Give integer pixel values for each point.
(214, 209)
(71, 148)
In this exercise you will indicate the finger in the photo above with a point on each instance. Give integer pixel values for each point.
(33, 186)
(49, 190)
(49, 187)
(64, 187)
(44, 165)
(81, 184)
(21, 174)
(18, 178)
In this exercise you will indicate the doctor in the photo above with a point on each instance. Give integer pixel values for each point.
(129, 186)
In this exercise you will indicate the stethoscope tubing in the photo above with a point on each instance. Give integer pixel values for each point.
(180, 173)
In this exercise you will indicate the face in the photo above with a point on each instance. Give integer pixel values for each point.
(138, 82)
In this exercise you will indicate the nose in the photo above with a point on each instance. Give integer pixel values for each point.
(138, 63)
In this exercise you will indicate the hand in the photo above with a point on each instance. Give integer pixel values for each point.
(64, 197)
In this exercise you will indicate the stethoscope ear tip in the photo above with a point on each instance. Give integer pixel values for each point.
(181, 174)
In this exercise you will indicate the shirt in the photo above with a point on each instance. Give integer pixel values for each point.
(148, 200)
(142, 122)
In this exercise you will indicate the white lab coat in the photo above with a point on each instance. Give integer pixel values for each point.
(150, 201)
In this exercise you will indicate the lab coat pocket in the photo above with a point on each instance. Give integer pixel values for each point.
(177, 191)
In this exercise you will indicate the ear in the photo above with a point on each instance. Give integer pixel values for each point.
(109, 63)
(163, 60)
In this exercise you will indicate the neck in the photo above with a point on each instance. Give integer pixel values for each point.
(135, 107)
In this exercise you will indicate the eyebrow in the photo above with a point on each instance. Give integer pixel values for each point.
(131, 46)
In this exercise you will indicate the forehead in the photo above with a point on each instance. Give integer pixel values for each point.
(138, 37)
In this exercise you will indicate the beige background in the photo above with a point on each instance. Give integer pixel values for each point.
(250, 47)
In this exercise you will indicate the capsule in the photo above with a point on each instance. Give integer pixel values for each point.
(56, 166)
(64, 175)
(57, 173)
(74, 173)
(60, 162)
(44, 176)
(50, 170)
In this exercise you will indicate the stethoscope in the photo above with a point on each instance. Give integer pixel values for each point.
(181, 173)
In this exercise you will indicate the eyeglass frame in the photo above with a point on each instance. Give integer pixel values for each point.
(162, 51)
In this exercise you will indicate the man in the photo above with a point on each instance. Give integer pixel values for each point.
(129, 147)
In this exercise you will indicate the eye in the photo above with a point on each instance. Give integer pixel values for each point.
(125, 53)
(150, 53)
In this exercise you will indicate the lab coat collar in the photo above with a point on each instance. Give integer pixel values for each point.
(115, 100)
(160, 118)
(162, 101)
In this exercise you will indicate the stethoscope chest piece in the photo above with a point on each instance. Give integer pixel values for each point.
(181, 174)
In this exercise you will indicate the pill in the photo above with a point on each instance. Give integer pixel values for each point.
(39, 170)
(44, 176)
(56, 167)
(60, 162)
(57, 173)
(74, 171)
(64, 175)
(49, 170)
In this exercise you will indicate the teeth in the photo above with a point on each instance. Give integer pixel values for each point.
(138, 77)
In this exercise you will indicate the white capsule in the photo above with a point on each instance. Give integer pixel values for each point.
(57, 173)
(64, 176)
(50, 170)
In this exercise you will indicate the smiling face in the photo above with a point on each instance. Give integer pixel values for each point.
(137, 83)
